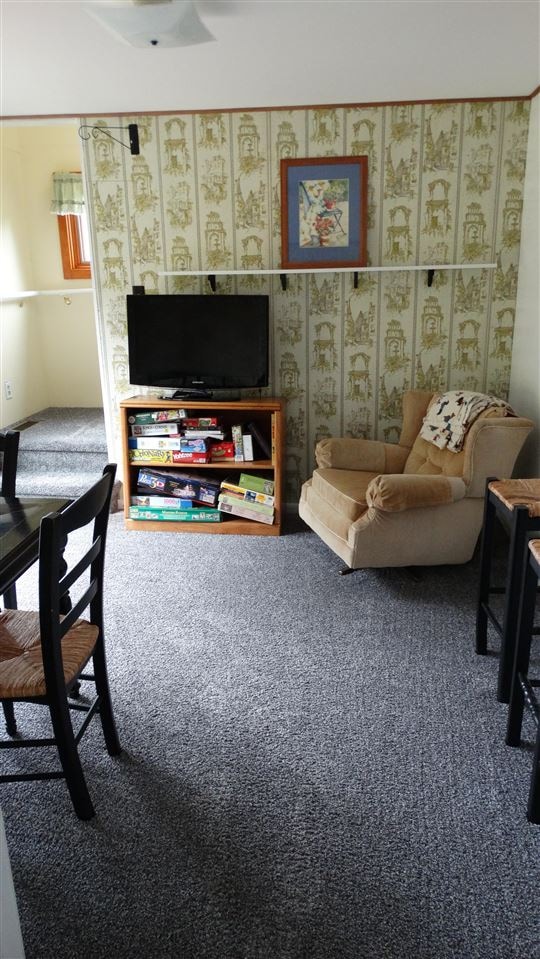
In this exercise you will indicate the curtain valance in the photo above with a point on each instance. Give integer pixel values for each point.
(68, 194)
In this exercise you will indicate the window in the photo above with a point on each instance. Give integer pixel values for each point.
(75, 246)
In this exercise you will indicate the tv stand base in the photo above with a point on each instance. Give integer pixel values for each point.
(191, 395)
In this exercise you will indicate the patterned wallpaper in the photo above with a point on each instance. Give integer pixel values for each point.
(445, 185)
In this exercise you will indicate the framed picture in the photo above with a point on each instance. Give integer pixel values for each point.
(323, 212)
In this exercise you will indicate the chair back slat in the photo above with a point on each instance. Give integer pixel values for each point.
(75, 612)
(76, 572)
(9, 447)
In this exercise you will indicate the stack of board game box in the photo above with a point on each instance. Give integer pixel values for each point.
(252, 497)
(170, 438)
(168, 496)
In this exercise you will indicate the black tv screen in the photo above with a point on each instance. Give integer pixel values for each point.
(197, 342)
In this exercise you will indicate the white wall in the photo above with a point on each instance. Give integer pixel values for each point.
(49, 348)
(525, 377)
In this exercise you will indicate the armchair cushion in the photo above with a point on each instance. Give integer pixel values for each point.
(344, 453)
(400, 491)
(343, 490)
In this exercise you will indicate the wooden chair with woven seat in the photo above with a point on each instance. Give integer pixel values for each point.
(515, 503)
(44, 654)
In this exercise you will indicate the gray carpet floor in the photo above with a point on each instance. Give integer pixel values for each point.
(314, 768)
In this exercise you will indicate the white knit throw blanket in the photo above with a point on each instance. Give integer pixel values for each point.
(449, 417)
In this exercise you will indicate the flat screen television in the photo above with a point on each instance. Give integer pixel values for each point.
(195, 343)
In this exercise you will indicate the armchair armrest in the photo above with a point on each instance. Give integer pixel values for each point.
(356, 454)
(400, 491)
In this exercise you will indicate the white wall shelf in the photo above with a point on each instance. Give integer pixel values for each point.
(429, 267)
(26, 294)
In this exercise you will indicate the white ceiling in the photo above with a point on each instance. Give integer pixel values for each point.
(58, 61)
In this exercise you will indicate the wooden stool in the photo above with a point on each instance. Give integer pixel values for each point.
(516, 504)
(522, 690)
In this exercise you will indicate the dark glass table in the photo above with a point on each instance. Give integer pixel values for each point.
(20, 517)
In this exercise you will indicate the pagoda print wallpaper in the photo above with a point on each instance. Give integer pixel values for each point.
(445, 185)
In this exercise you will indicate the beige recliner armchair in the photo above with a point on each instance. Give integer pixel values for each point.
(408, 503)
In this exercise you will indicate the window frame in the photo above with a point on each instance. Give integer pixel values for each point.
(74, 267)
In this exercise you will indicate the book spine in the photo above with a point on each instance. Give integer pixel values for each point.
(234, 500)
(249, 494)
(157, 416)
(178, 515)
(236, 432)
(245, 513)
(256, 483)
(247, 444)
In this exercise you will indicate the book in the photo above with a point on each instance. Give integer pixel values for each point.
(194, 515)
(236, 432)
(247, 494)
(259, 484)
(157, 416)
(167, 457)
(155, 429)
(238, 509)
(154, 442)
(260, 440)
(233, 499)
(160, 502)
(247, 443)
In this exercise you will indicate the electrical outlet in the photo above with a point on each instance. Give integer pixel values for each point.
(8, 389)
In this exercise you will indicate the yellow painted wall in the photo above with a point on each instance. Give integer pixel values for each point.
(19, 325)
(53, 362)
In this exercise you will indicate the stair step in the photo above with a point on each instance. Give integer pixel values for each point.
(62, 451)
(61, 461)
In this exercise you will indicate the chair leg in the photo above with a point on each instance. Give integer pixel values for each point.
(486, 550)
(9, 716)
(10, 597)
(516, 569)
(523, 652)
(69, 757)
(533, 806)
(108, 724)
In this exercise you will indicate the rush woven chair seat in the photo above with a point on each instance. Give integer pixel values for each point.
(523, 689)
(515, 503)
(43, 655)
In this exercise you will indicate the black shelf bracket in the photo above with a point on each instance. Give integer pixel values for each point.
(430, 275)
(355, 279)
(283, 279)
(212, 281)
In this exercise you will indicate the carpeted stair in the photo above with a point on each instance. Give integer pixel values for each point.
(61, 451)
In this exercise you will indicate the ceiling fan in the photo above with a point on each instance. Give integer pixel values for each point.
(151, 23)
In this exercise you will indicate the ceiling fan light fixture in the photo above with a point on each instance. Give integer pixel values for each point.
(151, 23)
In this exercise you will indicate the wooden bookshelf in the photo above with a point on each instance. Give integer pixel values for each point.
(267, 414)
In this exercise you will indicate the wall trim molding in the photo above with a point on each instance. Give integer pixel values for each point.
(271, 109)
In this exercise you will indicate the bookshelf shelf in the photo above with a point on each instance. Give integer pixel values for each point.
(267, 414)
